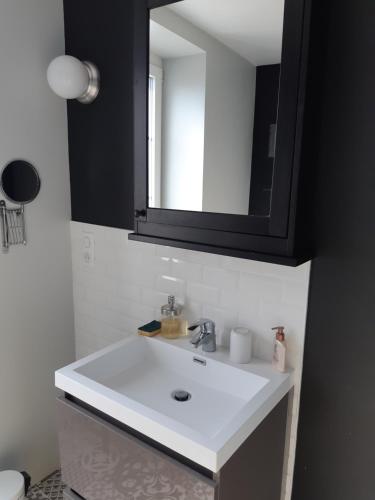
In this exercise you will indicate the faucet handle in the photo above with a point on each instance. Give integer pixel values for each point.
(207, 325)
(197, 339)
(196, 324)
(206, 336)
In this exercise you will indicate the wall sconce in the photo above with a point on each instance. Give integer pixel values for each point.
(70, 78)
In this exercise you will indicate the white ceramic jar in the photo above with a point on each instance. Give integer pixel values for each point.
(240, 345)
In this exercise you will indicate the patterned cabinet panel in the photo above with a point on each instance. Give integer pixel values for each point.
(101, 462)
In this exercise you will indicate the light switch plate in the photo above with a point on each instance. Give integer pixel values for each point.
(88, 249)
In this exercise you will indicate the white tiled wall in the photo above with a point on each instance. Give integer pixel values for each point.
(129, 281)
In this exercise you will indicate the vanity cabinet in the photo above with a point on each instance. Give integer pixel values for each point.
(101, 459)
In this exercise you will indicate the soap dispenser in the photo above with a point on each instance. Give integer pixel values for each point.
(279, 349)
(173, 323)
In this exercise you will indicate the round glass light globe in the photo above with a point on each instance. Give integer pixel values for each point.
(68, 77)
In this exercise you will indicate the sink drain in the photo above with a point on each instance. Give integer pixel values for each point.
(181, 396)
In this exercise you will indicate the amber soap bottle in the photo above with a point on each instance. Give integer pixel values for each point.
(173, 323)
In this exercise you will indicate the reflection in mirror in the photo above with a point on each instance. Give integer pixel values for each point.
(20, 182)
(213, 99)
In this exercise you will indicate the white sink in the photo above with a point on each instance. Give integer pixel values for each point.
(133, 381)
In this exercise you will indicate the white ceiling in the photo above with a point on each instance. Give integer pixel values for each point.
(252, 28)
(166, 44)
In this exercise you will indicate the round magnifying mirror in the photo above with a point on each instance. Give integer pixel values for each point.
(20, 182)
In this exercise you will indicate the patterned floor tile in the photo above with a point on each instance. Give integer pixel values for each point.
(50, 488)
(36, 494)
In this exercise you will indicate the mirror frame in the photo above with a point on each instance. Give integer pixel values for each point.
(203, 227)
(37, 177)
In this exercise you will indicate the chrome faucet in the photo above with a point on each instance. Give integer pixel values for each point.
(206, 337)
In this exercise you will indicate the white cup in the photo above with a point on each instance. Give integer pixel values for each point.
(240, 345)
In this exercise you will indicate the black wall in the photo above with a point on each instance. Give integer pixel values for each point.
(336, 439)
(100, 134)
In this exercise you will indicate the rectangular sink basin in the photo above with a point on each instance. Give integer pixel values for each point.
(150, 372)
(198, 404)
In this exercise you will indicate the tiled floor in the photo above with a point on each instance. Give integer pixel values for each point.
(50, 488)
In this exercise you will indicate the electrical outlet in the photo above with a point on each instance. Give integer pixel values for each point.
(88, 249)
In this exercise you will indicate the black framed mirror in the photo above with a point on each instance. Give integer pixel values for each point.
(20, 182)
(267, 180)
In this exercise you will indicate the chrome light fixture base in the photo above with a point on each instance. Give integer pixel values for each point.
(94, 84)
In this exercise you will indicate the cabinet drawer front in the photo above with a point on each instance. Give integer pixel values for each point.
(101, 462)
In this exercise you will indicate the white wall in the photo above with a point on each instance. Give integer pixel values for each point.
(229, 118)
(36, 309)
(230, 105)
(130, 281)
(183, 104)
(156, 60)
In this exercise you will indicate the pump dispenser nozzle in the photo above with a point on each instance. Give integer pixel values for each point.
(280, 334)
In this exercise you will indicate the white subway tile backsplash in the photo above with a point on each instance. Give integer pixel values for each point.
(154, 298)
(172, 286)
(79, 292)
(193, 310)
(131, 309)
(170, 252)
(203, 293)
(135, 271)
(129, 291)
(260, 286)
(130, 281)
(298, 274)
(206, 259)
(136, 248)
(86, 308)
(246, 266)
(186, 270)
(293, 296)
(220, 278)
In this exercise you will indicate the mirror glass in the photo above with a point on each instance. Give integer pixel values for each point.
(20, 182)
(213, 100)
